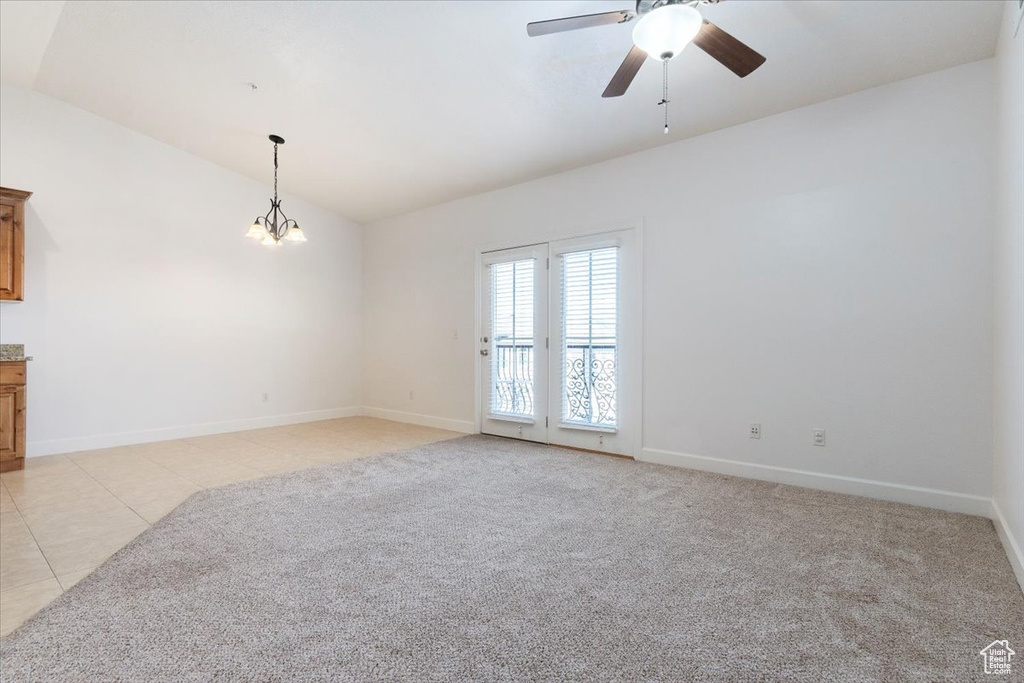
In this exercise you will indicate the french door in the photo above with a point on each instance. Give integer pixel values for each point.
(560, 342)
(512, 350)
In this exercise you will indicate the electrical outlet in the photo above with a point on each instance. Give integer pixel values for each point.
(266, 398)
(819, 437)
(755, 430)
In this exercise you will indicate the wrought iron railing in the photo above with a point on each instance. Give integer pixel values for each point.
(513, 380)
(590, 383)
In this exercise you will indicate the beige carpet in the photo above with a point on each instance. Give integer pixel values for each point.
(492, 560)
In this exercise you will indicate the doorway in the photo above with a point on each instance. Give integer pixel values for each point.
(560, 342)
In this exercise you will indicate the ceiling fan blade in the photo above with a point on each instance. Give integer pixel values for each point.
(733, 54)
(626, 73)
(542, 28)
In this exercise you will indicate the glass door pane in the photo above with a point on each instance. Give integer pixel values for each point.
(512, 350)
(590, 337)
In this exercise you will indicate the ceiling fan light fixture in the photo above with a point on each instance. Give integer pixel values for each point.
(664, 32)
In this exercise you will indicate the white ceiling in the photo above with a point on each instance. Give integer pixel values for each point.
(392, 106)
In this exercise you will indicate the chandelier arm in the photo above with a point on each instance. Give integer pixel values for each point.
(267, 221)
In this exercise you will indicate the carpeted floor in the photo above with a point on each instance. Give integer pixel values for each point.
(493, 560)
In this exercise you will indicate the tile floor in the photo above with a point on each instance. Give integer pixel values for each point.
(64, 515)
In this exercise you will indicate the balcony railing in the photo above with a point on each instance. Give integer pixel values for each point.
(590, 384)
(513, 380)
(589, 379)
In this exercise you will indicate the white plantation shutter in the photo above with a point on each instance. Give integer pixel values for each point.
(590, 337)
(512, 314)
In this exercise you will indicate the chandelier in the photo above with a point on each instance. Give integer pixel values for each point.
(275, 226)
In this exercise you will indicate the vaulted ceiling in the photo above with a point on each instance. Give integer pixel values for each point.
(391, 106)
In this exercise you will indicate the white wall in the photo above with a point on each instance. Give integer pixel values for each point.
(827, 267)
(148, 314)
(1008, 486)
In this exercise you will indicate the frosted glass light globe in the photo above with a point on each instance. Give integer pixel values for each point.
(256, 231)
(664, 32)
(295, 234)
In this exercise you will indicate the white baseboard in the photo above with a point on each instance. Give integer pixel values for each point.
(900, 493)
(1010, 544)
(88, 443)
(463, 426)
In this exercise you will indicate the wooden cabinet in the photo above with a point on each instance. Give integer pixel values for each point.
(12, 244)
(12, 415)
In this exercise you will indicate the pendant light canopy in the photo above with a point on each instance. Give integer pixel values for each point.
(274, 227)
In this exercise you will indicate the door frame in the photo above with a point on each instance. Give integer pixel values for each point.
(636, 225)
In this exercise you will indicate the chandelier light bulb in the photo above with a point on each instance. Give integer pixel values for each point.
(269, 241)
(256, 231)
(664, 32)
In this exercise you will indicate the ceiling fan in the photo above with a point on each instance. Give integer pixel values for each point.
(664, 29)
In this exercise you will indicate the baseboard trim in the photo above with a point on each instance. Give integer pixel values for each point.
(1010, 544)
(463, 426)
(899, 493)
(89, 443)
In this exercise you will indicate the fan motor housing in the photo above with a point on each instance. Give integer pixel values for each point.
(645, 6)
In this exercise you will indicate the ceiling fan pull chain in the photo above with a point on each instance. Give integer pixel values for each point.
(664, 92)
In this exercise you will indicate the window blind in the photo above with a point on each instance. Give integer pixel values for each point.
(590, 337)
(512, 315)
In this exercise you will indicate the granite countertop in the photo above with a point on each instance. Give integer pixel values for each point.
(13, 353)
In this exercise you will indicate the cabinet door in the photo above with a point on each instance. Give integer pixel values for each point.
(12, 250)
(12, 422)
